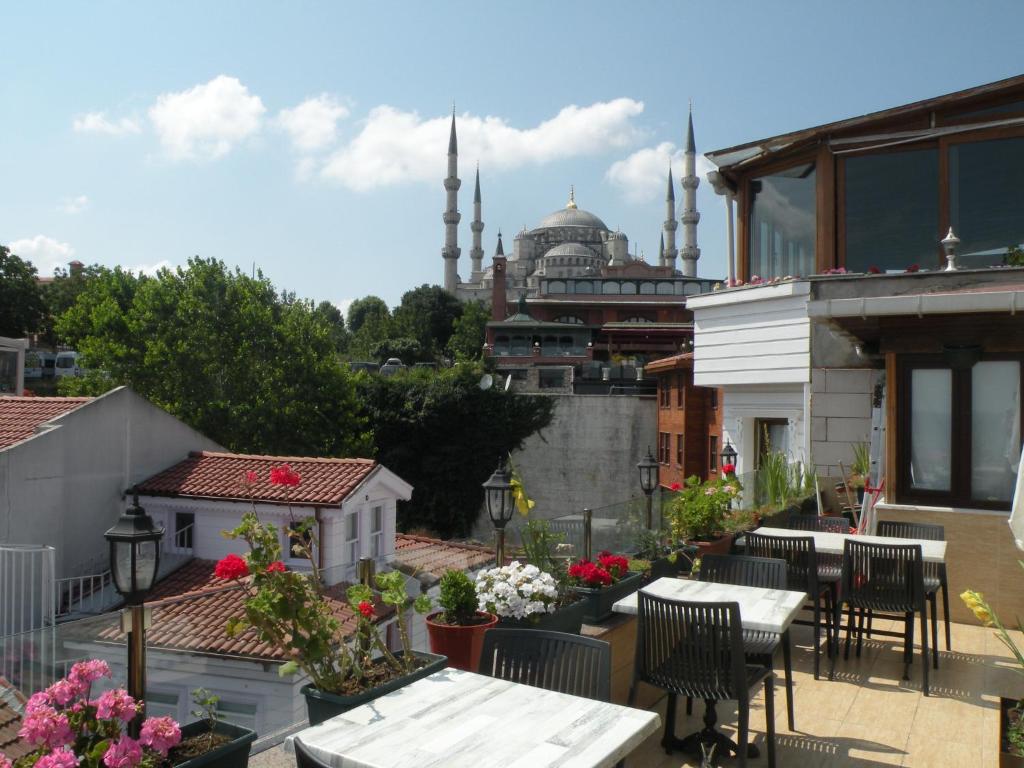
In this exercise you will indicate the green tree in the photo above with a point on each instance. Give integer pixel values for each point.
(443, 434)
(369, 308)
(469, 332)
(331, 316)
(21, 302)
(61, 293)
(221, 351)
(427, 314)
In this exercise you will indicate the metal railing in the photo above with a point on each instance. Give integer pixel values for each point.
(182, 542)
(89, 594)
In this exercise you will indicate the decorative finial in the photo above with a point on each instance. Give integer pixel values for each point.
(572, 197)
(949, 244)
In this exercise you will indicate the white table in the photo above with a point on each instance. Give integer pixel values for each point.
(764, 610)
(459, 719)
(827, 543)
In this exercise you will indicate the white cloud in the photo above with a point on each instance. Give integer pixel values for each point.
(151, 269)
(343, 305)
(206, 121)
(73, 205)
(97, 122)
(45, 253)
(313, 124)
(396, 147)
(642, 176)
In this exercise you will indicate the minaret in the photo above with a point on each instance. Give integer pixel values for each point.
(690, 252)
(668, 257)
(450, 252)
(476, 254)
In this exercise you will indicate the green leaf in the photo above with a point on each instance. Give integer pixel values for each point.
(288, 668)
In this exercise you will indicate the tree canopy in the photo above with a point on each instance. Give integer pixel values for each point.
(21, 302)
(469, 332)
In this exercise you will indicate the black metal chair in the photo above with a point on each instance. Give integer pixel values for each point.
(555, 661)
(829, 566)
(696, 649)
(801, 559)
(304, 759)
(887, 578)
(934, 573)
(766, 573)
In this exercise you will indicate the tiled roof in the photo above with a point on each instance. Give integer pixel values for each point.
(210, 475)
(423, 555)
(11, 702)
(191, 608)
(20, 417)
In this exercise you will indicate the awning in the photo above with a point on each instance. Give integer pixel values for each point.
(1017, 510)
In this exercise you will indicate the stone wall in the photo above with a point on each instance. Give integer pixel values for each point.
(840, 415)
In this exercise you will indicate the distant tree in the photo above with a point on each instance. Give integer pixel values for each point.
(443, 434)
(369, 308)
(407, 350)
(428, 314)
(469, 332)
(60, 295)
(331, 316)
(21, 301)
(223, 352)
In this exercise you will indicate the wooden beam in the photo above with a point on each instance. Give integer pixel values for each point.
(891, 427)
(825, 242)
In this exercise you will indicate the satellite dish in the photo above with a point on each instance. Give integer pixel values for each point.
(508, 382)
(486, 382)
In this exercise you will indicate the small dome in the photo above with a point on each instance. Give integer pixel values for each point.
(571, 249)
(572, 217)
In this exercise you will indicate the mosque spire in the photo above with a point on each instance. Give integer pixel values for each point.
(667, 258)
(476, 254)
(500, 250)
(690, 252)
(572, 197)
(450, 252)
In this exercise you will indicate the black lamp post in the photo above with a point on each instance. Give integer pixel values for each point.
(729, 456)
(648, 467)
(134, 563)
(498, 494)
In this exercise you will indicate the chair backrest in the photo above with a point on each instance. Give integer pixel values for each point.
(798, 522)
(745, 570)
(690, 648)
(556, 661)
(304, 759)
(897, 529)
(799, 553)
(883, 577)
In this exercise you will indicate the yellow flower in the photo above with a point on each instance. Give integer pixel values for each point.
(976, 602)
(523, 502)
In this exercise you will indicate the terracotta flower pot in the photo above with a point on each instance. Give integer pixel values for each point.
(462, 645)
(719, 546)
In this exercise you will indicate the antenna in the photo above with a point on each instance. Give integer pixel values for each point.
(486, 382)
(508, 382)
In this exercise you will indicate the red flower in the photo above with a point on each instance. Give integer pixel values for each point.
(874, 270)
(675, 487)
(231, 567)
(912, 268)
(366, 608)
(284, 475)
(276, 567)
(616, 565)
(590, 574)
(728, 468)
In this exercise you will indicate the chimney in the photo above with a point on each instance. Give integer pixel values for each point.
(498, 308)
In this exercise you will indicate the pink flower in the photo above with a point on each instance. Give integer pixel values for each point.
(61, 758)
(116, 704)
(729, 488)
(123, 753)
(85, 672)
(46, 726)
(231, 567)
(709, 491)
(64, 691)
(38, 700)
(4, 762)
(284, 475)
(160, 733)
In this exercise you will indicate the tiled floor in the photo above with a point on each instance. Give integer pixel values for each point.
(867, 716)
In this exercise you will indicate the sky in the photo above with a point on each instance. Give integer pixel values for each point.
(309, 139)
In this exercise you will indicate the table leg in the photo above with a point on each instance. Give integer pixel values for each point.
(709, 737)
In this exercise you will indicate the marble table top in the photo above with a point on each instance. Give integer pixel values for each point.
(458, 719)
(765, 610)
(826, 543)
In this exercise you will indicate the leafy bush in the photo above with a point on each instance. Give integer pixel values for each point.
(458, 598)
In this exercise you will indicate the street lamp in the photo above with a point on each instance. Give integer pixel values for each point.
(134, 563)
(648, 467)
(728, 457)
(498, 494)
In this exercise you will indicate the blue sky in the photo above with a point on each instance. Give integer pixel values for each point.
(310, 137)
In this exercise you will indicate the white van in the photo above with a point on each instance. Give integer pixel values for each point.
(67, 365)
(33, 365)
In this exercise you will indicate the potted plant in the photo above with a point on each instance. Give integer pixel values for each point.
(698, 514)
(209, 741)
(548, 551)
(602, 584)
(522, 595)
(1011, 711)
(859, 470)
(290, 611)
(457, 630)
(655, 556)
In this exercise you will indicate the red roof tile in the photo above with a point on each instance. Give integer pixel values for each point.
(191, 608)
(206, 474)
(20, 417)
(421, 554)
(11, 704)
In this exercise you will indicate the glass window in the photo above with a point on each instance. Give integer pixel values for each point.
(679, 450)
(352, 537)
(238, 713)
(184, 524)
(610, 287)
(986, 197)
(782, 223)
(665, 384)
(377, 531)
(713, 453)
(892, 210)
(680, 392)
(664, 448)
(995, 429)
(931, 421)
(629, 288)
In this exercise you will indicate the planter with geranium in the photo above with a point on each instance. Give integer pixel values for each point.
(700, 513)
(522, 595)
(289, 611)
(457, 631)
(602, 584)
(210, 741)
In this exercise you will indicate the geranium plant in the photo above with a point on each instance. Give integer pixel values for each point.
(516, 591)
(69, 728)
(606, 571)
(288, 608)
(700, 510)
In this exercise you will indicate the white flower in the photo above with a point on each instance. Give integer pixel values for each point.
(516, 591)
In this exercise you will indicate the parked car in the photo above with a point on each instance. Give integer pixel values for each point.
(391, 367)
(33, 365)
(67, 365)
(49, 362)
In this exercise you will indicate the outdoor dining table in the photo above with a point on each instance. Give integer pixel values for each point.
(828, 543)
(460, 719)
(763, 610)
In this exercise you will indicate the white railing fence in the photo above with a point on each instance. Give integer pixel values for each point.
(27, 614)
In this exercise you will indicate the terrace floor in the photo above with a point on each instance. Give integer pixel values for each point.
(867, 716)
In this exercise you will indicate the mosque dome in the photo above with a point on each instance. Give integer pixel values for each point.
(572, 216)
(571, 249)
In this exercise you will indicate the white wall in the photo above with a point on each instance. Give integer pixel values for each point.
(750, 336)
(840, 415)
(743, 405)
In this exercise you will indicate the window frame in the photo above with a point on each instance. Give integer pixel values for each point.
(680, 390)
(352, 550)
(680, 449)
(959, 494)
(665, 395)
(377, 536)
(664, 448)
